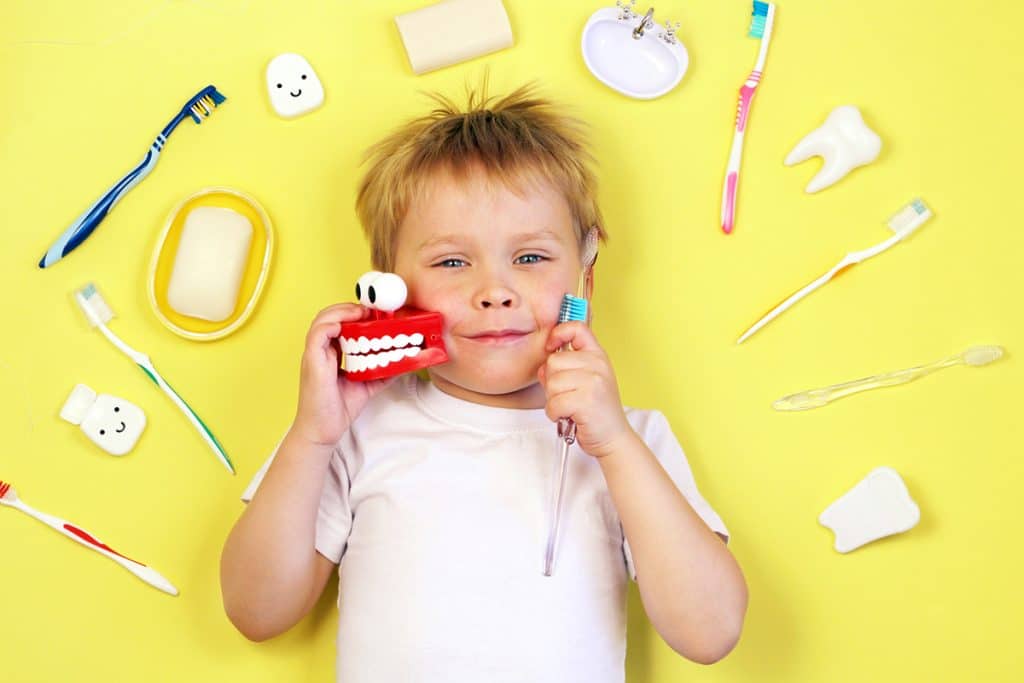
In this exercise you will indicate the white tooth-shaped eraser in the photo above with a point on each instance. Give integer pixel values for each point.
(844, 142)
(878, 506)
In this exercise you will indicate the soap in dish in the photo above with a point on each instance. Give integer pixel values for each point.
(210, 264)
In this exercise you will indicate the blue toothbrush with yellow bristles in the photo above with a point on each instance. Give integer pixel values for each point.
(198, 107)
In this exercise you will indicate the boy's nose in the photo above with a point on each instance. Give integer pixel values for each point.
(496, 296)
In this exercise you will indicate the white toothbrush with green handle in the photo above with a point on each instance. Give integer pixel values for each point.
(98, 313)
(815, 398)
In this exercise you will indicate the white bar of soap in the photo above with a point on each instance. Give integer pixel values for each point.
(453, 31)
(210, 263)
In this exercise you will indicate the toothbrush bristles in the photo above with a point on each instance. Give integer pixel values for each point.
(4, 488)
(203, 104)
(93, 305)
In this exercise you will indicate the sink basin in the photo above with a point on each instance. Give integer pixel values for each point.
(644, 68)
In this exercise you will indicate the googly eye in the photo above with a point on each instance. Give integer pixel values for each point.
(363, 284)
(387, 293)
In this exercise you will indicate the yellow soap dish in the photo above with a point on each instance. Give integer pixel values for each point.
(256, 270)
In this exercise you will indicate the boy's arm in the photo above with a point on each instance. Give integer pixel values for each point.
(271, 575)
(691, 586)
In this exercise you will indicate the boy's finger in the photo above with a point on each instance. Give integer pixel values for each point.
(575, 333)
(339, 313)
(570, 380)
(560, 362)
(322, 334)
(560, 406)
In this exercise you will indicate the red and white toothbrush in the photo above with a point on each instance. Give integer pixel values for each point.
(8, 496)
(761, 22)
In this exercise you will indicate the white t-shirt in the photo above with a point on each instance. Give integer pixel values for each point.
(438, 512)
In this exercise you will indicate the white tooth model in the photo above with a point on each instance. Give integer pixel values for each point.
(293, 86)
(878, 506)
(844, 142)
(111, 423)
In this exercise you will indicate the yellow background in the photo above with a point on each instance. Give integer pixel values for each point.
(86, 85)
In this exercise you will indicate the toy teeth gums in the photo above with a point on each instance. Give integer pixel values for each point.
(844, 142)
(398, 340)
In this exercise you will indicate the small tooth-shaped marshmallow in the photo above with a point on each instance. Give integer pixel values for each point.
(371, 362)
(411, 351)
(346, 345)
(352, 363)
(375, 344)
(416, 339)
(386, 342)
(363, 345)
(401, 340)
(844, 142)
(383, 359)
(396, 355)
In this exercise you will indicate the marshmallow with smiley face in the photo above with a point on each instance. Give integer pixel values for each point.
(111, 423)
(293, 86)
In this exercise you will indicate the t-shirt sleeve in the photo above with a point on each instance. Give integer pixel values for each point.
(334, 518)
(654, 429)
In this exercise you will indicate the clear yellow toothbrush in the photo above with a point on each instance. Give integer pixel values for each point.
(815, 398)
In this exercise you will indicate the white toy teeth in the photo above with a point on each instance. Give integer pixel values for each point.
(878, 506)
(844, 142)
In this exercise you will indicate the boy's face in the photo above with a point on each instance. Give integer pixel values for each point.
(495, 265)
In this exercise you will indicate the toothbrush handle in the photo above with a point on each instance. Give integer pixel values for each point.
(147, 366)
(82, 537)
(90, 219)
(816, 398)
(556, 506)
(732, 172)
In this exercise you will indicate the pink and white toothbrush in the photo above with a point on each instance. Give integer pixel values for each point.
(9, 497)
(760, 27)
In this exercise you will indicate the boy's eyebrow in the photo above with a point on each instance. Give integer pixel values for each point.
(450, 238)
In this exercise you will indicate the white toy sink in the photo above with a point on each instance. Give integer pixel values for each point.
(644, 67)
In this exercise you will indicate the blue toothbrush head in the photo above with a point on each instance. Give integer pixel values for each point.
(573, 308)
(203, 103)
(760, 18)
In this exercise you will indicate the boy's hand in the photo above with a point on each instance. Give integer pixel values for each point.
(328, 402)
(581, 384)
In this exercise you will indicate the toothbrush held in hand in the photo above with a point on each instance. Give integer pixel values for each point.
(975, 356)
(909, 219)
(9, 497)
(98, 313)
(573, 308)
(763, 17)
(198, 106)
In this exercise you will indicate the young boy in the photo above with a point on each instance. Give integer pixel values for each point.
(433, 498)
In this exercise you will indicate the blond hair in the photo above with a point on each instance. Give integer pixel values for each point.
(516, 138)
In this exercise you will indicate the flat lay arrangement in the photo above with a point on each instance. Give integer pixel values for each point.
(209, 272)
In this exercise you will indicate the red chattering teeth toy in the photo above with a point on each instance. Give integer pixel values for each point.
(397, 340)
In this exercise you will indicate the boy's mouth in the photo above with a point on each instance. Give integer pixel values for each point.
(386, 347)
(498, 337)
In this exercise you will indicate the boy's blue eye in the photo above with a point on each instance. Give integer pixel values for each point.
(530, 258)
(450, 263)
